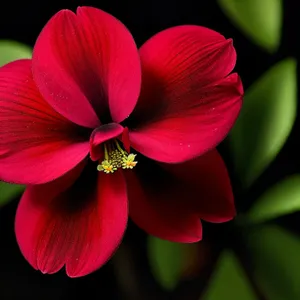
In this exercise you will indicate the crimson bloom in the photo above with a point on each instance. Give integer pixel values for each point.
(76, 119)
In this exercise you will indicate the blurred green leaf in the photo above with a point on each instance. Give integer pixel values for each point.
(12, 50)
(276, 262)
(166, 261)
(9, 192)
(260, 20)
(281, 199)
(265, 122)
(229, 281)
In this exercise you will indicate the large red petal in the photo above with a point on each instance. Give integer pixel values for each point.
(168, 200)
(153, 208)
(204, 185)
(87, 66)
(188, 102)
(36, 143)
(79, 225)
(191, 128)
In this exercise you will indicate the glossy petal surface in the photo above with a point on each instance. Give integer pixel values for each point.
(74, 221)
(168, 200)
(36, 143)
(188, 102)
(87, 66)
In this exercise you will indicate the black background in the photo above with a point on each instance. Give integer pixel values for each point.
(23, 20)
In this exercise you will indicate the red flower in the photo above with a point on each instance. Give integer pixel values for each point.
(86, 99)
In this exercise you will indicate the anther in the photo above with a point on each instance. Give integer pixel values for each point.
(115, 157)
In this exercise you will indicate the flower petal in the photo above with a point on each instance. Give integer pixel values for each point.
(188, 55)
(168, 200)
(101, 135)
(87, 66)
(191, 123)
(205, 186)
(187, 103)
(153, 208)
(36, 143)
(79, 225)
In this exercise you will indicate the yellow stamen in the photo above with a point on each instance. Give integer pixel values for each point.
(115, 157)
(129, 162)
(107, 167)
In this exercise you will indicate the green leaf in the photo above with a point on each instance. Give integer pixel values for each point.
(279, 200)
(12, 50)
(9, 192)
(260, 20)
(229, 281)
(276, 262)
(265, 122)
(166, 261)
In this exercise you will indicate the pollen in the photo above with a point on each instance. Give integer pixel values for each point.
(107, 167)
(115, 157)
(129, 162)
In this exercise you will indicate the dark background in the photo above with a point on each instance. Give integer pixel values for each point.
(22, 21)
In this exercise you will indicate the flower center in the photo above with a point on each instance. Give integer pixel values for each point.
(115, 157)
